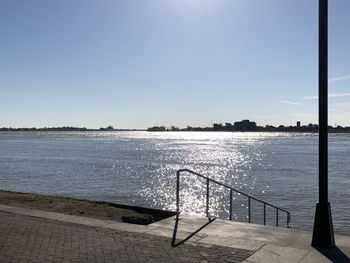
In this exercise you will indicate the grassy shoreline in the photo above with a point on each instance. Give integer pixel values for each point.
(82, 207)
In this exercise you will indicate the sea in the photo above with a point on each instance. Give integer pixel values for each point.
(139, 168)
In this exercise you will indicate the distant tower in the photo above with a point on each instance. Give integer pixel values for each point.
(298, 124)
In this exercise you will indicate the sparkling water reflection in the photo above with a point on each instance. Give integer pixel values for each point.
(140, 168)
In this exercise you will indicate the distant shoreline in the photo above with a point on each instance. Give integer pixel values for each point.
(64, 129)
(256, 131)
(239, 126)
(144, 130)
(251, 126)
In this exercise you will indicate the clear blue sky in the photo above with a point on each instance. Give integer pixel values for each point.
(135, 64)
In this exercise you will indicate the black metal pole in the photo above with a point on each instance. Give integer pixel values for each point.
(323, 102)
(323, 235)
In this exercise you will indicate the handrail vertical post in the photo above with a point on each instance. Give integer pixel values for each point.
(288, 220)
(249, 209)
(230, 204)
(276, 217)
(264, 213)
(207, 207)
(177, 194)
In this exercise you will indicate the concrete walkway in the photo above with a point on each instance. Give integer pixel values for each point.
(28, 235)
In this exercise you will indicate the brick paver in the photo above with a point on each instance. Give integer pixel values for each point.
(30, 239)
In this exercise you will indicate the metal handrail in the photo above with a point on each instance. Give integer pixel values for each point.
(178, 173)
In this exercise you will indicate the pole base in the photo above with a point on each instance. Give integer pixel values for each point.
(323, 235)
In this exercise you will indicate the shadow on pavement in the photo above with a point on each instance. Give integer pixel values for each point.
(173, 241)
(334, 255)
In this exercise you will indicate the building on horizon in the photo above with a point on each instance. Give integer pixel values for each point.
(245, 125)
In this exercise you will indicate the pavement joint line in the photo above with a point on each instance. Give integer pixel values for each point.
(309, 251)
(200, 238)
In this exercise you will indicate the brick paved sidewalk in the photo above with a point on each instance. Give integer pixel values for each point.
(29, 239)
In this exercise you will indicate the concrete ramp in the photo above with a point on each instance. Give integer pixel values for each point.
(270, 243)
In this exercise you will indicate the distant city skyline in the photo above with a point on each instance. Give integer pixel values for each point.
(188, 127)
(137, 64)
